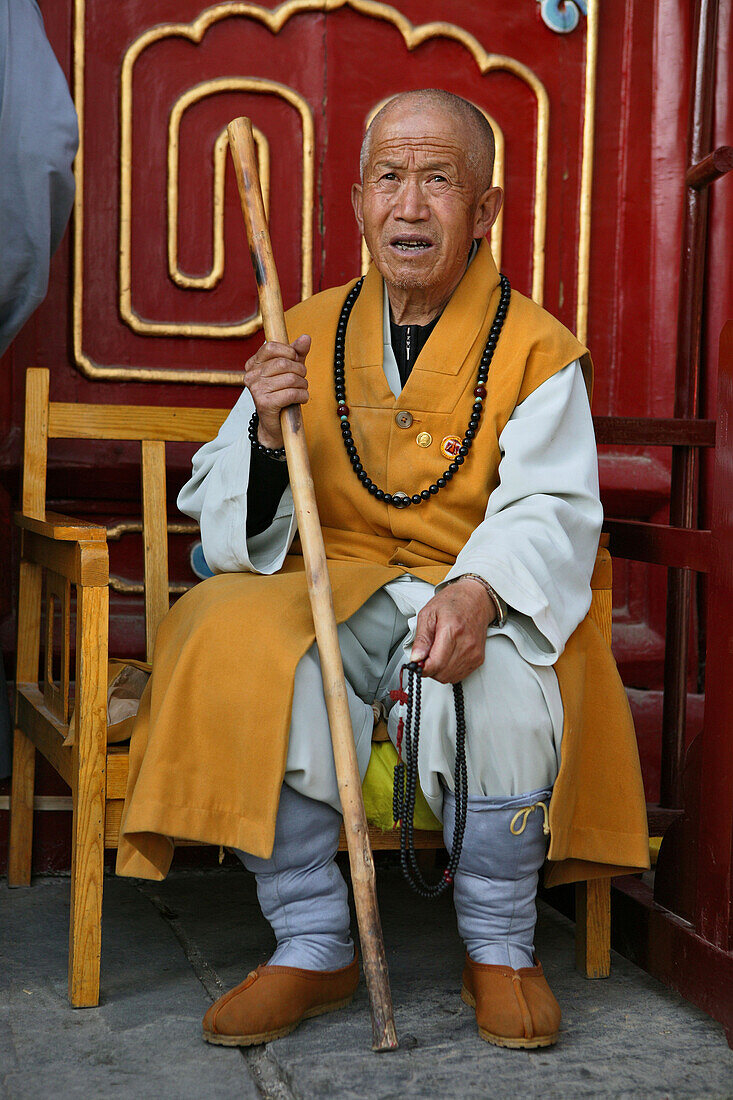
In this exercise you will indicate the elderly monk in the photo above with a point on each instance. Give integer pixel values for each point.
(454, 461)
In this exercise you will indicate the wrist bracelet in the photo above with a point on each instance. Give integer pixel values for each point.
(493, 596)
(275, 453)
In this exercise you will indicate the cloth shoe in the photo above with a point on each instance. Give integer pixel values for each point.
(273, 1000)
(301, 890)
(495, 887)
(514, 1008)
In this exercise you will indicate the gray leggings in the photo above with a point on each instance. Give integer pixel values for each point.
(513, 743)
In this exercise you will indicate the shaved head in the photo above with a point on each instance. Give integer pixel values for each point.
(479, 135)
(424, 197)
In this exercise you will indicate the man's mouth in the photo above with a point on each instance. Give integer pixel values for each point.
(411, 244)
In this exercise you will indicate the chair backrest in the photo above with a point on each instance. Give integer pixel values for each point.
(153, 426)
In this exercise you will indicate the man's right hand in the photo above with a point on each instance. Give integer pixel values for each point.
(275, 376)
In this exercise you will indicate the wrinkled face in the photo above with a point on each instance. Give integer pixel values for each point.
(419, 206)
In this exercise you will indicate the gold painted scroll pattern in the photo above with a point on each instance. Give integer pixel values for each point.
(497, 180)
(413, 36)
(219, 157)
(127, 587)
(193, 95)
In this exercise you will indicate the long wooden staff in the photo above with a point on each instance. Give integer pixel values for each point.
(384, 1036)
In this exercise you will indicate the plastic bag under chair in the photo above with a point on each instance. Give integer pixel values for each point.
(126, 682)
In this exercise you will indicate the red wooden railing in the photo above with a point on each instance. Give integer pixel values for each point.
(682, 930)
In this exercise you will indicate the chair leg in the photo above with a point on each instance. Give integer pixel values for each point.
(85, 922)
(24, 751)
(593, 927)
(21, 810)
(89, 791)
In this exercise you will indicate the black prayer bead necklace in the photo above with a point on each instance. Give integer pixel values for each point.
(406, 778)
(402, 500)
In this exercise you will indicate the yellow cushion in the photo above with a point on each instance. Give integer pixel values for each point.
(378, 787)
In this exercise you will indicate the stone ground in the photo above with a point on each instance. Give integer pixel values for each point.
(168, 947)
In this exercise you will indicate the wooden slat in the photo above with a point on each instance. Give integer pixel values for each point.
(20, 848)
(29, 622)
(24, 752)
(112, 821)
(83, 563)
(645, 432)
(660, 544)
(118, 760)
(43, 803)
(62, 528)
(601, 610)
(155, 540)
(389, 839)
(69, 421)
(593, 927)
(35, 442)
(43, 728)
(88, 790)
(56, 696)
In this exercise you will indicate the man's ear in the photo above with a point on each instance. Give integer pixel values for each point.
(487, 211)
(357, 201)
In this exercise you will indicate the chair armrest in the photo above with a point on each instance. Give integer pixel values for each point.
(62, 528)
(82, 561)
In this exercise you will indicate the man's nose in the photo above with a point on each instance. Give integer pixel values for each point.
(411, 205)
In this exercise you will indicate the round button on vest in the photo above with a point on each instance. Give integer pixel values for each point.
(424, 439)
(403, 419)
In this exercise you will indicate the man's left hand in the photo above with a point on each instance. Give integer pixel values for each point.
(451, 631)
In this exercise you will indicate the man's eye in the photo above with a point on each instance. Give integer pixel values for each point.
(388, 176)
(437, 178)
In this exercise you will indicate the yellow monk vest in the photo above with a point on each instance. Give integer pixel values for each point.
(439, 397)
(209, 745)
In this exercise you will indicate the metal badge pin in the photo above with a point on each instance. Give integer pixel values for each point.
(451, 446)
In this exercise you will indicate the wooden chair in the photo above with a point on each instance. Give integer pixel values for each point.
(57, 553)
